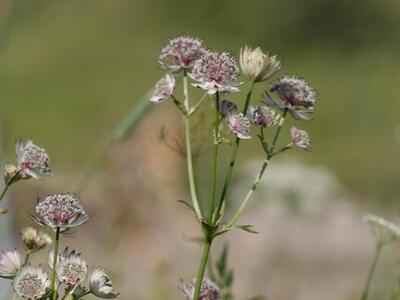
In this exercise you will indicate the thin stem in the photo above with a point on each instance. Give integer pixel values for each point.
(186, 123)
(232, 161)
(253, 188)
(202, 269)
(4, 191)
(14, 297)
(371, 271)
(215, 159)
(53, 271)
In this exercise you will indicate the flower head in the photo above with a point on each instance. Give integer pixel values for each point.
(215, 72)
(34, 239)
(31, 283)
(239, 125)
(33, 161)
(60, 210)
(180, 53)
(10, 263)
(297, 96)
(384, 230)
(164, 88)
(71, 269)
(209, 290)
(257, 65)
(100, 285)
(262, 116)
(227, 108)
(300, 138)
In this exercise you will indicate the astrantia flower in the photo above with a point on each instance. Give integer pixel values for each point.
(239, 125)
(300, 138)
(164, 88)
(215, 72)
(31, 283)
(32, 160)
(34, 239)
(100, 285)
(227, 108)
(296, 95)
(257, 65)
(72, 269)
(10, 263)
(180, 53)
(262, 116)
(384, 230)
(60, 210)
(209, 290)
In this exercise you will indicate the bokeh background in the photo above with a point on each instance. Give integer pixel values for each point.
(70, 71)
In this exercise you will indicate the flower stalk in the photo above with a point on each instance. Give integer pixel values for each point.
(53, 272)
(371, 271)
(189, 151)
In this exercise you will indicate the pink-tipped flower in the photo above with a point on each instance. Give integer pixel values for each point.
(164, 89)
(209, 290)
(300, 138)
(239, 125)
(60, 210)
(296, 95)
(10, 263)
(262, 116)
(33, 161)
(215, 72)
(31, 283)
(180, 53)
(100, 285)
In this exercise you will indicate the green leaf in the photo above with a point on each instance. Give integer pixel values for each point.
(248, 228)
(221, 262)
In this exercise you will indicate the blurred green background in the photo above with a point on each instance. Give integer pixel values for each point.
(70, 71)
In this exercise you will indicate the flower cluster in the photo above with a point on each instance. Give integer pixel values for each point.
(62, 211)
(383, 230)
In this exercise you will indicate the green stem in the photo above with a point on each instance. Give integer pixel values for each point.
(14, 297)
(243, 206)
(215, 159)
(232, 161)
(202, 268)
(4, 191)
(53, 271)
(186, 123)
(371, 271)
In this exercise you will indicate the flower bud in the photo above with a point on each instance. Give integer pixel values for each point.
(257, 65)
(10, 172)
(300, 138)
(34, 239)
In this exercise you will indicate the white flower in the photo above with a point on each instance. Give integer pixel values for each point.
(60, 210)
(164, 88)
(10, 263)
(383, 229)
(300, 138)
(239, 125)
(34, 239)
(262, 116)
(209, 290)
(100, 285)
(31, 283)
(180, 53)
(256, 65)
(71, 268)
(215, 72)
(32, 160)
